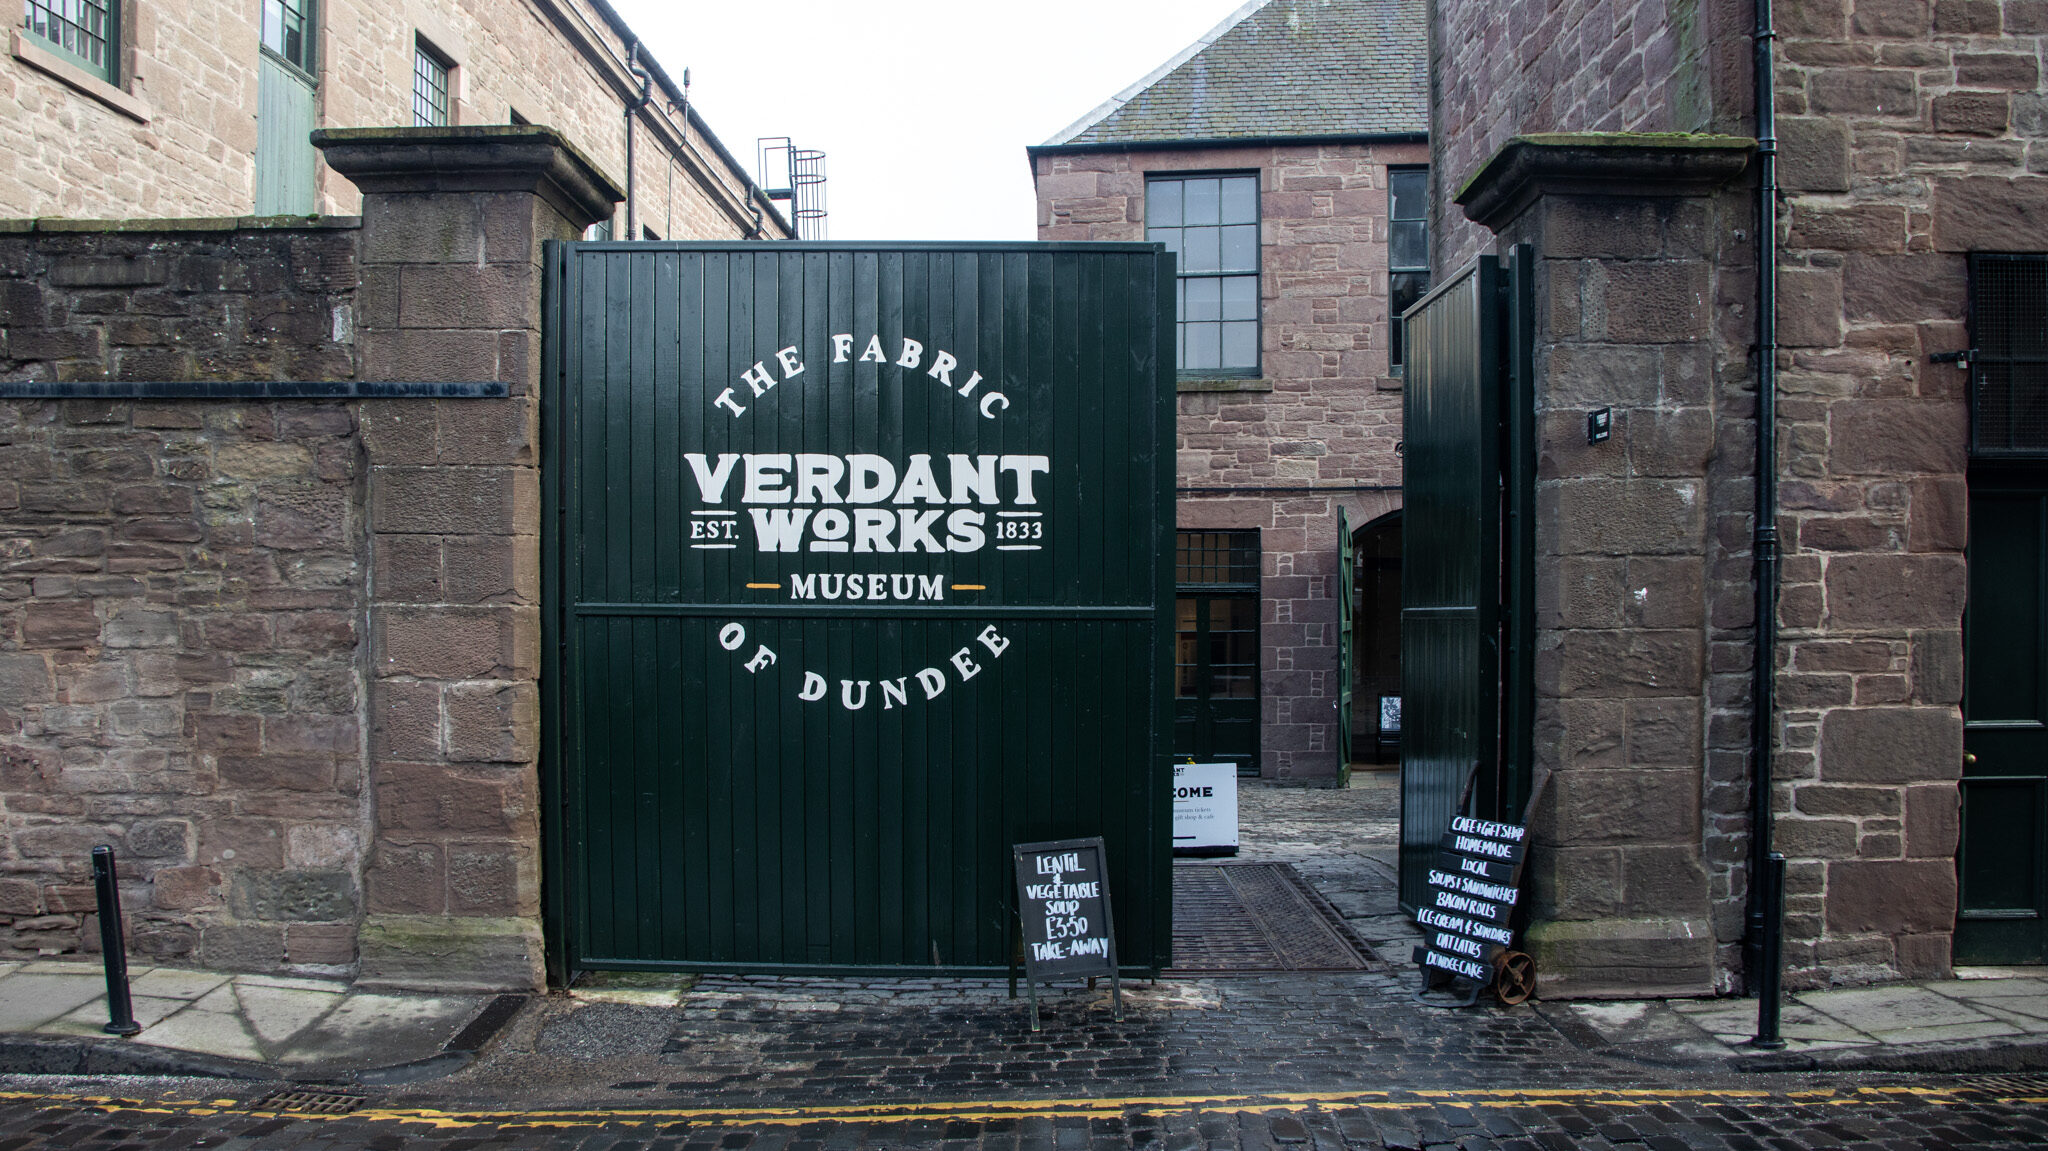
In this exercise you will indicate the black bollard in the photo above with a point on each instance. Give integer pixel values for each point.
(113, 944)
(1770, 980)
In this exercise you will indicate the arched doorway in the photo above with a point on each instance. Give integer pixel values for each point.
(1376, 642)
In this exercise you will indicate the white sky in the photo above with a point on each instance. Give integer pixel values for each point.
(923, 107)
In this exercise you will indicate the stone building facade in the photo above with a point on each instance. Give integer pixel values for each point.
(1314, 428)
(1617, 141)
(170, 123)
(269, 497)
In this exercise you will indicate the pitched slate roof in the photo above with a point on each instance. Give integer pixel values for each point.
(1280, 68)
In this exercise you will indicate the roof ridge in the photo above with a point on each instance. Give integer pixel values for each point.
(1109, 107)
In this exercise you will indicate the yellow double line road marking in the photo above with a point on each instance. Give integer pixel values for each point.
(1068, 1108)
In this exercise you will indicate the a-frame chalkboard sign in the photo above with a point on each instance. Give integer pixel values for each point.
(1472, 894)
(1063, 910)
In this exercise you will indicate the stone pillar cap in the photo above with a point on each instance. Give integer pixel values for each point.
(473, 158)
(1599, 164)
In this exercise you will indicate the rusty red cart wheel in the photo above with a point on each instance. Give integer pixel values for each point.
(1514, 977)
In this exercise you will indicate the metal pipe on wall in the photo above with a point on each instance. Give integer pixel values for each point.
(633, 108)
(1764, 930)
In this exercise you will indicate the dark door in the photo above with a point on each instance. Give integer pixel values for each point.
(2003, 866)
(1467, 483)
(856, 576)
(2002, 860)
(1216, 650)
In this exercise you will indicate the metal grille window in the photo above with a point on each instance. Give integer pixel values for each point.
(1407, 249)
(429, 86)
(84, 31)
(287, 31)
(1211, 224)
(2009, 328)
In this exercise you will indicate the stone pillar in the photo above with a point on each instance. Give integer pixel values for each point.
(453, 221)
(1625, 231)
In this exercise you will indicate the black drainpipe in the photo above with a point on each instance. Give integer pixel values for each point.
(633, 113)
(1763, 718)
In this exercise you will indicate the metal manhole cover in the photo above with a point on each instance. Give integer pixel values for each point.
(1255, 917)
(305, 1101)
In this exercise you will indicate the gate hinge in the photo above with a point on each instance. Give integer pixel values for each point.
(1959, 359)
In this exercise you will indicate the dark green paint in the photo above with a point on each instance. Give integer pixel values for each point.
(2002, 863)
(704, 816)
(1466, 599)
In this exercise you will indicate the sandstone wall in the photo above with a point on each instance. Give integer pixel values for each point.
(1911, 132)
(1574, 66)
(1319, 427)
(181, 596)
(177, 136)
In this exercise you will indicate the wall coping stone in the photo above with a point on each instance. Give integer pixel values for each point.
(252, 390)
(147, 224)
(473, 158)
(1632, 164)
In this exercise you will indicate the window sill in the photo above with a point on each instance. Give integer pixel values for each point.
(28, 52)
(1221, 384)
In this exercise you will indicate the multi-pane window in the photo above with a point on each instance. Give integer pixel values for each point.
(1211, 224)
(1217, 615)
(83, 31)
(287, 31)
(1407, 248)
(429, 86)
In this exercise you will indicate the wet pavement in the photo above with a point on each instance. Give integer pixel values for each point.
(1296, 1059)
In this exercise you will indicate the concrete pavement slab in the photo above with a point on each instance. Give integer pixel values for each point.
(32, 997)
(374, 1029)
(277, 1015)
(173, 983)
(91, 1019)
(210, 1025)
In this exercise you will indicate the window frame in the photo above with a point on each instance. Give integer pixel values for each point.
(424, 50)
(1256, 273)
(2008, 419)
(1396, 352)
(109, 69)
(309, 38)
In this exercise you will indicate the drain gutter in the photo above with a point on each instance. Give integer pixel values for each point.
(1762, 928)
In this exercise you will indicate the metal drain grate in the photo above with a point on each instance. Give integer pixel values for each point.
(2006, 1086)
(1254, 917)
(305, 1101)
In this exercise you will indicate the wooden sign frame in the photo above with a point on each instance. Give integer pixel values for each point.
(1054, 915)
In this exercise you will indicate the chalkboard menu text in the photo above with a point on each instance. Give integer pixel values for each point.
(1063, 908)
(1472, 894)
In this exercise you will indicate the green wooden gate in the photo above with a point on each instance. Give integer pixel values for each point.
(1466, 585)
(860, 574)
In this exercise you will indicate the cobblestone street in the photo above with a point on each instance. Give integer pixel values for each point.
(1294, 1060)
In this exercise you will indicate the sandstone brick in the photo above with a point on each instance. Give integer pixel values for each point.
(1858, 228)
(320, 944)
(1904, 287)
(1891, 897)
(1938, 666)
(67, 624)
(255, 843)
(1891, 745)
(455, 501)
(406, 878)
(1813, 154)
(1992, 213)
(240, 947)
(484, 880)
(493, 722)
(492, 569)
(430, 798)
(1895, 590)
(1974, 113)
(1967, 16)
(1810, 307)
(302, 896)
(285, 772)
(1897, 438)
(1863, 92)
(455, 643)
(1662, 302)
(183, 888)
(1933, 821)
